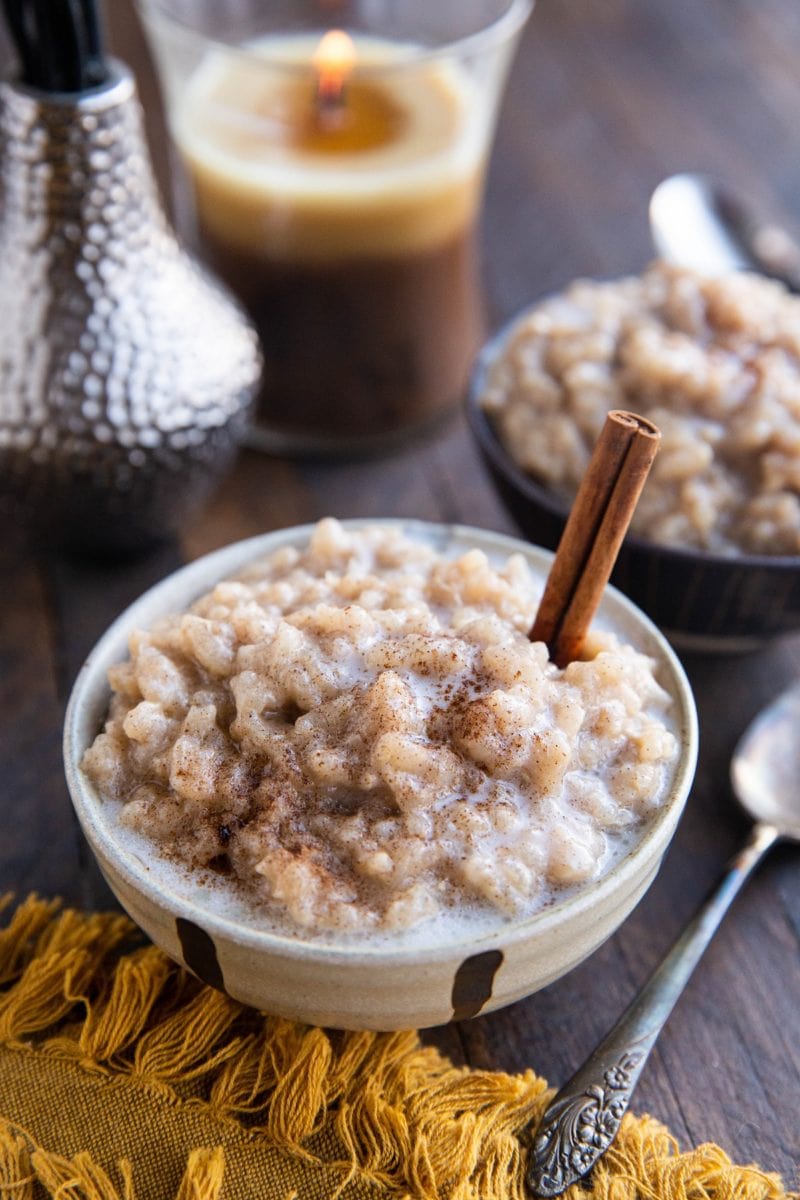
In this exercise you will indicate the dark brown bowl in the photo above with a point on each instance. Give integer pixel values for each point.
(701, 601)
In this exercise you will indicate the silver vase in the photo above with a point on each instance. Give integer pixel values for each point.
(126, 374)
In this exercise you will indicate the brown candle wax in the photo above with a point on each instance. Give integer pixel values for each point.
(348, 233)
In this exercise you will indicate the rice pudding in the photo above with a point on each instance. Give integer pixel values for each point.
(358, 736)
(713, 362)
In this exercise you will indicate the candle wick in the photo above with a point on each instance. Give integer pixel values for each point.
(331, 103)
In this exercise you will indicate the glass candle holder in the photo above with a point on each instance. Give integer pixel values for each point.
(337, 185)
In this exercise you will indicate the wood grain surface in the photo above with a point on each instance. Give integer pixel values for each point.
(606, 97)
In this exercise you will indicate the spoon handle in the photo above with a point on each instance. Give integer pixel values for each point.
(581, 1122)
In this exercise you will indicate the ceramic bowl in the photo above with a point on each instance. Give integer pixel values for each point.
(704, 602)
(365, 986)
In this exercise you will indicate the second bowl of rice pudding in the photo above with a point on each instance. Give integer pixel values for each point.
(714, 362)
(334, 777)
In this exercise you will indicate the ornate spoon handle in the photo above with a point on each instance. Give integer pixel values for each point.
(583, 1119)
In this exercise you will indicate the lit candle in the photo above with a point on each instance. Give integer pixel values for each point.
(334, 61)
(337, 187)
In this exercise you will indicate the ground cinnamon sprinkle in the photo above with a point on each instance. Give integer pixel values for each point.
(359, 736)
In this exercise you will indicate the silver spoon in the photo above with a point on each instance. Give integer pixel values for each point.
(582, 1121)
(700, 224)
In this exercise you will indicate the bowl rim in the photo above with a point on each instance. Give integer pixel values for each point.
(489, 440)
(191, 581)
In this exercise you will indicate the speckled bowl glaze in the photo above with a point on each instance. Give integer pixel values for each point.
(351, 985)
(704, 602)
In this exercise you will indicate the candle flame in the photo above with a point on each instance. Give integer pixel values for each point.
(334, 59)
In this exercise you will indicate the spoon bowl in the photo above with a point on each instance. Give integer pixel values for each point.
(706, 226)
(765, 769)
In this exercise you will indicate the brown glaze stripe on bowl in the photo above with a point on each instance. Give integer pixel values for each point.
(200, 953)
(473, 983)
(702, 601)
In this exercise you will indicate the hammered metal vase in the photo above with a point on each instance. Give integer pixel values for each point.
(126, 374)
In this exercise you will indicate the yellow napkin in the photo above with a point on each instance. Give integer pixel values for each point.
(122, 1077)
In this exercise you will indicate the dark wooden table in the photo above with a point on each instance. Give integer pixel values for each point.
(607, 96)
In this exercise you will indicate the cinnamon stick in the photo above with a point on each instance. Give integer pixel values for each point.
(593, 534)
